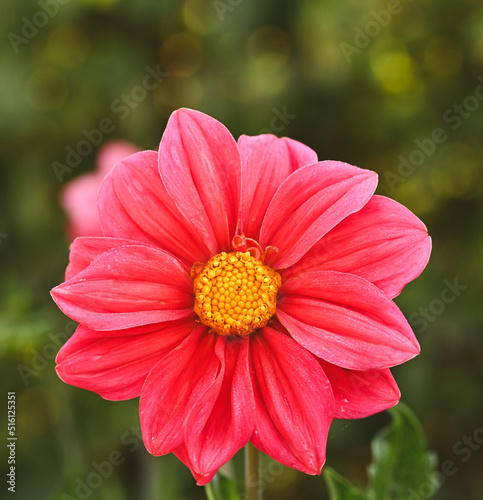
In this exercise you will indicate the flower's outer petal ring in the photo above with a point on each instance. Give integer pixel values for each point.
(127, 287)
(384, 242)
(309, 203)
(84, 250)
(200, 166)
(201, 478)
(294, 402)
(359, 394)
(266, 162)
(346, 321)
(221, 420)
(174, 385)
(116, 366)
(133, 204)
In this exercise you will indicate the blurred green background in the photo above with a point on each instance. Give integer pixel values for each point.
(396, 87)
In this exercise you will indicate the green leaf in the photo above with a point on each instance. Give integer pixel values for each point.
(401, 468)
(401, 463)
(221, 487)
(340, 488)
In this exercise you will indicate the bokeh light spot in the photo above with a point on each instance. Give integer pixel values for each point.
(456, 174)
(68, 46)
(181, 54)
(103, 4)
(413, 193)
(269, 47)
(443, 56)
(46, 89)
(393, 71)
(200, 17)
(177, 92)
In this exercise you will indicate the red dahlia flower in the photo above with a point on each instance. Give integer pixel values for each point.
(79, 197)
(243, 291)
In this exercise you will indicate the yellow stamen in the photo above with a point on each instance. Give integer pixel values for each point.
(235, 293)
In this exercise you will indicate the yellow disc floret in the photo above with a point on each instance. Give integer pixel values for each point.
(235, 293)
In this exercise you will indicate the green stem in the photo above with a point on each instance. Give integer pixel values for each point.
(253, 488)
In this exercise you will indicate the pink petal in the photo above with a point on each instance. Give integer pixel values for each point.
(84, 250)
(359, 394)
(266, 162)
(201, 479)
(384, 243)
(221, 421)
(79, 197)
(112, 153)
(116, 366)
(200, 167)
(126, 287)
(174, 385)
(79, 200)
(134, 204)
(346, 321)
(309, 203)
(294, 402)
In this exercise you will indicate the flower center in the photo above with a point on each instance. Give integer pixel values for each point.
(235, 293)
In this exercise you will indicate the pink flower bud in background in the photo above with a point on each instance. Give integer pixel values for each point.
(79, 196)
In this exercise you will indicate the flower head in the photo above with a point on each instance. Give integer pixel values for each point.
(79, 197)
(243, 291)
